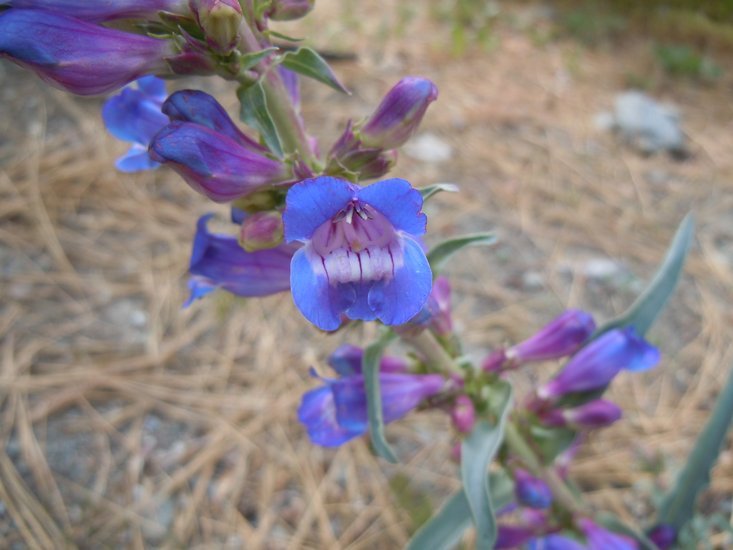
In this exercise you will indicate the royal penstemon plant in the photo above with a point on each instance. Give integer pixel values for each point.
(304, 221)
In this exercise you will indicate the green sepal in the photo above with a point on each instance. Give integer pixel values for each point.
(439, 254)
(551, 442)
(249, 60)
(254, 112)
(650, 303)
(370, 368)
(308, 62)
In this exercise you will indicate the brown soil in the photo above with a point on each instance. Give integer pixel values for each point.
(127, 421)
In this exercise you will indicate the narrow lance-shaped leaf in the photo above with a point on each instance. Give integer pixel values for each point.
(477, 452)
(647, 307)
(678, 505)
(440, 253)
(445, 529)
(308, 62)
(370, 367)
(429, 190)
(254, 112)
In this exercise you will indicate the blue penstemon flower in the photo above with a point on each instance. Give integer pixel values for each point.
(360, 257)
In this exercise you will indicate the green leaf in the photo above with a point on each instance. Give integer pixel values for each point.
(430, 190)
(445, 529)
(679, 504)
(270, 33)
(249, 60)
(370, 367)
(477, 452)
(308, 62)
(647, 307)
(440, 253)
(254, 112)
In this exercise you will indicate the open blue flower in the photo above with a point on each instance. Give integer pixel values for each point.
(135, 115)
(337, 411)
(360, 257)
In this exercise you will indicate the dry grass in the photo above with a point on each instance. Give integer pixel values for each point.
(127, 421)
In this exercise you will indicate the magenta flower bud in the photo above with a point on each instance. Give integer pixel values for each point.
(213, 163)
(664, 536)
(561, 337)
(495, 361)
(463, 414)
(220, 20)
(287, 10)
(594, 366)
(97, 10)
(76, 55)
(261, 230)
(399, 114)
(595, 414)
(531, 491)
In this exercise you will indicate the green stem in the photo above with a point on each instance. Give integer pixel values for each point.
(521, 448)
(427, 345)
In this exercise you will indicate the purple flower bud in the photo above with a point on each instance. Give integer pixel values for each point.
(463, 414)
(598, 537)
(201, 108)
(439, 306)
(664, 536)
(337, 412)
(220, 20)
(76, 55)
(217, 261)
(595, 365)
(213, 163)
(594, 414)
(399, 114)
(107, 10)
(287, 10)
(261, 230)
(561, 337)
(346, 360)
(513, 536)
(495, 361)
(531, 491)
(350, 158)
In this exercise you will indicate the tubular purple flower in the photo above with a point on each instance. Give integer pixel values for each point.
(217, 261)
(595, 365)
(463, 414)
(213, 163)
(556, 542)
(201, 108)
(513, 536)
(531, 491)
(134, 115)
(76, 55)
(594, 414)
(337, 412)
(598, 537)
(102, 10)
(664, 536)
(360, 257)
(399, 114)
(562, 336)
(346, 360)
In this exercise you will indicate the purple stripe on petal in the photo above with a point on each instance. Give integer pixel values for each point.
(399, 202)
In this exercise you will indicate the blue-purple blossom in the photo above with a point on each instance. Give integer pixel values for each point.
(217, 261)
(360, 258)
(399, 114)
(561, 337)
(557, 542)
(598, 413)
(134, 115)
(337, 411)
(213, 163)
(101, 10)
(346, 360)
(531, 491)
(599, 537)
(595, 365)
(77, 55)
(201, 108)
